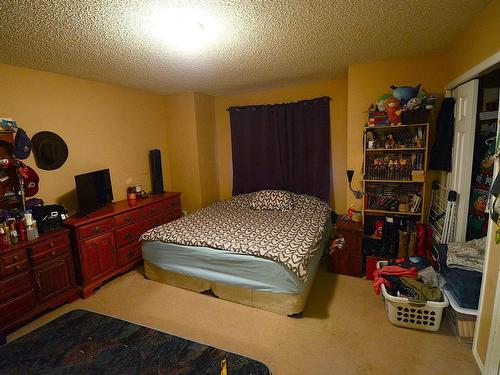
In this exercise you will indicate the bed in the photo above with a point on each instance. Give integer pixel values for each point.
(260, 249)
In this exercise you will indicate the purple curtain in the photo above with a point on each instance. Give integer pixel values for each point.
(282, 146)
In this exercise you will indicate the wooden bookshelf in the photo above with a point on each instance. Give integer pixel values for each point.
(385, 127)
(397, 181)
(372, 237)
(395, 149)
(384, 212)
(376, 186)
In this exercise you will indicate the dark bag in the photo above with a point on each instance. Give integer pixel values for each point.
(49, 217)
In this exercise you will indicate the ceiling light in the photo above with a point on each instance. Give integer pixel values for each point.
(187, 30)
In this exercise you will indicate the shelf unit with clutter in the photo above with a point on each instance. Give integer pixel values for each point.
(17, 182)
(394, 184)
(395, 155)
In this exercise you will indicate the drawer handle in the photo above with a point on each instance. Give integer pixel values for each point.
(52, 253)
(131, 254)
(128, 218)
(52, 244)
(129, 235)
(154, 209)
(15, 258)
(98, 228)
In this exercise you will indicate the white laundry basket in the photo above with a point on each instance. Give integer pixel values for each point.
(405, 313)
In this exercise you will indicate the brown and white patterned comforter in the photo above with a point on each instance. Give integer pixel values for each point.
(290, 237)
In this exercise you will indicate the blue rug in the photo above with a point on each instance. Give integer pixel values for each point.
(83, 342)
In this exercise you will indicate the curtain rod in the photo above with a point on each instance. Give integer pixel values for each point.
(265, 105)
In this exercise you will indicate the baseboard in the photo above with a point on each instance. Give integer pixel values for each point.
(479, 363)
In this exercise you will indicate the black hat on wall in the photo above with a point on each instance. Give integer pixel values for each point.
(49, 149)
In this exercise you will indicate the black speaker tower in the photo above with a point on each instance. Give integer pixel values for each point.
(156, 173)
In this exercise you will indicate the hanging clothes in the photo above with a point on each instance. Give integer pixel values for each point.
(477, 224)
(440, 157)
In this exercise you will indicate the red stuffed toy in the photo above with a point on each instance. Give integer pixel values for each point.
(393, 108)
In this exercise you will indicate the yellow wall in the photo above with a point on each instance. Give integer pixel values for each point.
(104, 126)
(336, 89)
(366, 82)
(205, 127)
(182, 146)
(477, 42)
(191, 146)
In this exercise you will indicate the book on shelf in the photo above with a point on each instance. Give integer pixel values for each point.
(415, 203)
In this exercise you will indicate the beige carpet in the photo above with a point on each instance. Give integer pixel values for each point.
(345, 329)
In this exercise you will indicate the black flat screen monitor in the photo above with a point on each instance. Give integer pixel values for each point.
(93, 191)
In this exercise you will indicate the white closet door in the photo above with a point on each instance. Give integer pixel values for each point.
(459, 179)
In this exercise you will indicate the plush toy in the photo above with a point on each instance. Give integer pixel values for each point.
(405, 93)
(429, 101)
(380, 101)
(422, 94)
(370, 136)
(393, 108)
(390, 142)
(413, 103)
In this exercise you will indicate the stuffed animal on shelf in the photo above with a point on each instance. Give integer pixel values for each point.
(413, 103)
(405, 93)
(381, 100)
(390, 142)
(393, 109)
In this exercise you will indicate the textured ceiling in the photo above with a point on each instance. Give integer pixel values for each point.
(267, 42)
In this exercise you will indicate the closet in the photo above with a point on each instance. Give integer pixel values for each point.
(474, 169)
(483, 156)
(476, 116)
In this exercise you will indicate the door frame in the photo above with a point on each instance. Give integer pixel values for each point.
(494, 337)
(475, 71)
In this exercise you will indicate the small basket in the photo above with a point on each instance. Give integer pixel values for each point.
(463, 321)
(416, 116)
(417, 315)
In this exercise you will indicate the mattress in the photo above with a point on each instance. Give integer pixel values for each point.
(240, 270)
(288, 235)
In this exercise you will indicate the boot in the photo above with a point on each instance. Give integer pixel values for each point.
(403, 244)
(412, 244)
(421, 239)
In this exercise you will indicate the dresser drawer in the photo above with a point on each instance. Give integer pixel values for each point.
(14, 268)
(52, 243)
(127, 218)
(129, 253)
(43, 256)
(172, 202)
(154, 221)
(128, 234)
(95, 228)
(15, 285)
(15, 257)
(152, 209)
(14, 309)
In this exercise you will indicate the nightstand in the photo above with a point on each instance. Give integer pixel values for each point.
(349, 259)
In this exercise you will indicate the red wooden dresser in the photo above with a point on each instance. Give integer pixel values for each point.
(35, 276)
(106, 242)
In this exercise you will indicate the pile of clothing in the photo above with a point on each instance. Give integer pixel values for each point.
(410, 277)
(461, 264)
